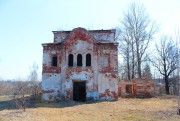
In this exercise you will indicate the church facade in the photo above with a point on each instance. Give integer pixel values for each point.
(80, 65)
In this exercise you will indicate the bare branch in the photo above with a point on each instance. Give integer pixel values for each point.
(136, 33)
(166, 60)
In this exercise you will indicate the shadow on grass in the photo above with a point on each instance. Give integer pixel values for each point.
(9, 103)
(64, 104)
(32, 103)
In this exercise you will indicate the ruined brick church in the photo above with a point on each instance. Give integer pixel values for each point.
(80, 65)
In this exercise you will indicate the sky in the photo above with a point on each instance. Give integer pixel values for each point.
(26, 24)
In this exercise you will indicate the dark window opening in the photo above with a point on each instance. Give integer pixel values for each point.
(70, 61)
(79, 60)
(88, 60)
(54, 61)
(129, 88)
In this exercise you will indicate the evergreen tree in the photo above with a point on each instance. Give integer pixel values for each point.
(147, 71)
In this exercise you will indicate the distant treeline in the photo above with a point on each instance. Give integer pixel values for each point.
(11, 87)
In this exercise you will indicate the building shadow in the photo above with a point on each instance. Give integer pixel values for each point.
(64, 104)
(7, 105)
(11, 104)
(33, 103)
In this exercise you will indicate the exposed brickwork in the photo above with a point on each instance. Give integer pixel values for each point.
(101, 79)
(138, 87)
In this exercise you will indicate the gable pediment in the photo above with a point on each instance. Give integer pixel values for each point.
(79, 34)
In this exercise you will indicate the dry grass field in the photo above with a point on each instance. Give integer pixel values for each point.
(162, 108)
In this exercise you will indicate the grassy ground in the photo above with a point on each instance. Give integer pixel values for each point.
(5, 98)
(162, 108)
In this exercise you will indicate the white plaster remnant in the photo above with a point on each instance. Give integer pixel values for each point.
(81, 45)
(103, 36)
(46, 58)
(79, 76)
(51, 82)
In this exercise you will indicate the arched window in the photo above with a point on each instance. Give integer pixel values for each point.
(70, 60)
(88, 59)
(79, 60)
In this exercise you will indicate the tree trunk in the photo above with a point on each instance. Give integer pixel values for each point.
(167, 85)
(139, 68)
(133, 64)
(138, 59)
(128, 64)
(128, 68)
(132, 77)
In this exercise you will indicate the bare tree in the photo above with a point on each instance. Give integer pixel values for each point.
(177, 38)
(125, 52)
(33, 78)
(20, 91)
(166, 59)
(137, 31)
